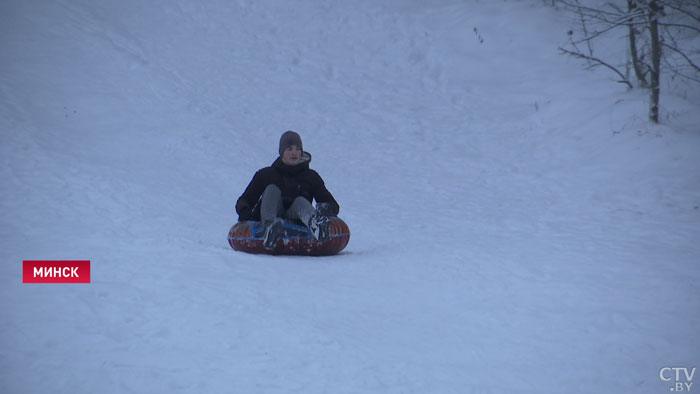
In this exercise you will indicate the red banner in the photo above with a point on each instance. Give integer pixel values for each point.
(56, 271)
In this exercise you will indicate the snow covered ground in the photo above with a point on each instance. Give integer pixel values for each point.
(517, 224)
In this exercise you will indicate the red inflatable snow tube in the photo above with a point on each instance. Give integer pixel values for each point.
(297, 239)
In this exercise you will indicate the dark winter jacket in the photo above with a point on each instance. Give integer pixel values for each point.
(293, 181)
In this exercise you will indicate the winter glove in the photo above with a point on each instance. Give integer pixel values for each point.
(245, 213)
(245, 216)
(325, 209)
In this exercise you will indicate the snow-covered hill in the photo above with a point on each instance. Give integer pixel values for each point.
(517, 224)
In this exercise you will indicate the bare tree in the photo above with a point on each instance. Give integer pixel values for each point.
(636, 62)
(653, 11)
(656, 30)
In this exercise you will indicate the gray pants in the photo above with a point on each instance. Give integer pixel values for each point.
(271, 206)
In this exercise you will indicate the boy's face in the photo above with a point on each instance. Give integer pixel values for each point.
(292, 155)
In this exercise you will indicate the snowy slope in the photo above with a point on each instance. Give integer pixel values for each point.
(517, 225)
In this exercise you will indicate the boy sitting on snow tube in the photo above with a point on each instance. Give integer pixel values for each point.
(287, 189)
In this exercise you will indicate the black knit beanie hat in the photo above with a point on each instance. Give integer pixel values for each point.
(288, 139)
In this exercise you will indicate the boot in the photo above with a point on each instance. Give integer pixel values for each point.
(273, 231)
(319, 226)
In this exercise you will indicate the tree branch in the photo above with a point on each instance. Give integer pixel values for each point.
(585, 27)
(680, 25)
(592, 10)
(599, 62)
(619, 23)
(679, 9)
(683, 55)
(672, 69)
